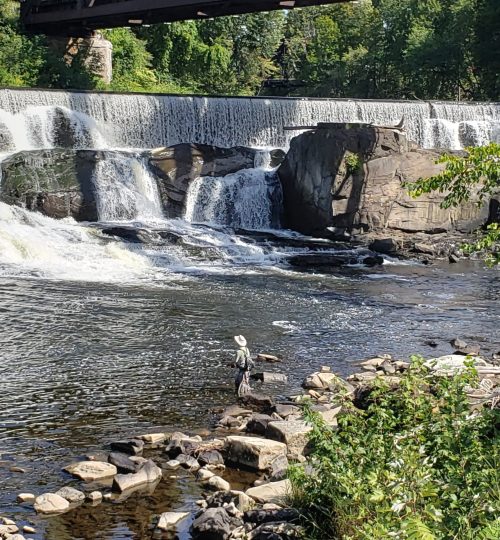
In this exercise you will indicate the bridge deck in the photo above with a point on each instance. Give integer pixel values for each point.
(81, 17)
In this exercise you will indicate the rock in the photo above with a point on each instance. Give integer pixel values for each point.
(15, 537)
(292, 433)
(210, 457)
(188, 462)
(330, 416)
(235, 411)
(7, 521)
(177, 166)
(286, 410)
(72, 495)
(204, 474)
(373, 362)
(7, 530)
(322, 190)
(153, 438)
(373, 260)
(182, 444)
(50, 503)
(258, 423)
(17, 469)
(266, 516)
(261, 357)
(461, 347)
(278, 468)
(90, 471)
(276, 531)
(218, 484)
(273, 492)
(270, 378)
(253, 452)
(257, 402)
(229, 422)
(458, 343)
(123, 462)
(242, 501)
(148, 474)
(451, 363)
(453, 258)
(214, 524)
(26, 498)
(388, 368)
(168, 520)
(132, 447)
(29, 530)
(94, 496)
(173, 464)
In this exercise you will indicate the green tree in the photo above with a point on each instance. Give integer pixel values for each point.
(475, 175)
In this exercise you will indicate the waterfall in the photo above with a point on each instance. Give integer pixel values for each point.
(126, 190)
(248, 199)
(148, 121)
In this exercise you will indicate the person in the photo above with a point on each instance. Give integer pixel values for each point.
(244, 365)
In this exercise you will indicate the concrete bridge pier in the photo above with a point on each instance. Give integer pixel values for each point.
(97, 53)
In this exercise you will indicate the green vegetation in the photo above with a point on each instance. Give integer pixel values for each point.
(475, 175)
(425, 49)
(417, 464)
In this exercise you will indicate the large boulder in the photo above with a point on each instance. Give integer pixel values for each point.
(353, 178)
(253, 452)
(57, 183)
(177, 166)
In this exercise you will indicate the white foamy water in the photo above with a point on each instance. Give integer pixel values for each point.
(38, 246)
(148, 121)
(126, 190)
(246, 199)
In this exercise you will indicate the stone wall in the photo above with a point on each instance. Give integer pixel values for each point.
(351, 178)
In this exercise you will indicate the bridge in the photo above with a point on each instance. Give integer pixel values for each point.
(82, 17)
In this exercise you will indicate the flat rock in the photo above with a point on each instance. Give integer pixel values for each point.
(148, 474)
(214, 524)
(168, 520)
(253, 452)
(173, 464)
(90, 471)
(267, 516)
(182, 444)
(257, 402)
(276, 531)
(188, 462)
(50, 503)
(453, 363)
(273, 492)
(154, 438)
(72, 495)
(262, 357)
(132, 447)
(292, 433)
(204, 474)
(268, 377)
(236, 410)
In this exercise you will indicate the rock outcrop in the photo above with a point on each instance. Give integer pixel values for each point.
(351, 179)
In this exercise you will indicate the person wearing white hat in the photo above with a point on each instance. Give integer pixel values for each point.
(244, 364)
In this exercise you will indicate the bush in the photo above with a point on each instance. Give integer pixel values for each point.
(417, 464)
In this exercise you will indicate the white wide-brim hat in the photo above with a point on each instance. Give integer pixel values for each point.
(241, 341)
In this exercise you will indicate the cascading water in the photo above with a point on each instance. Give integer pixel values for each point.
(148, 121)
(126, 190)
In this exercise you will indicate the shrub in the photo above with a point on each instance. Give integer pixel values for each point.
(417, 464)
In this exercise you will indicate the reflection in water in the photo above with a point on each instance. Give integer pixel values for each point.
(83, 364)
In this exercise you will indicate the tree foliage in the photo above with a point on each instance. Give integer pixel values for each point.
(425, 49)
(415, 465)
(475, 175)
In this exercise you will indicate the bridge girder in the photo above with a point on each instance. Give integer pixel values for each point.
(82, 17)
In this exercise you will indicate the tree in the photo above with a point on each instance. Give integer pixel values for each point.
(477, 174)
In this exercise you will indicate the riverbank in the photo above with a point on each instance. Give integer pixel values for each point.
(261, 436)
